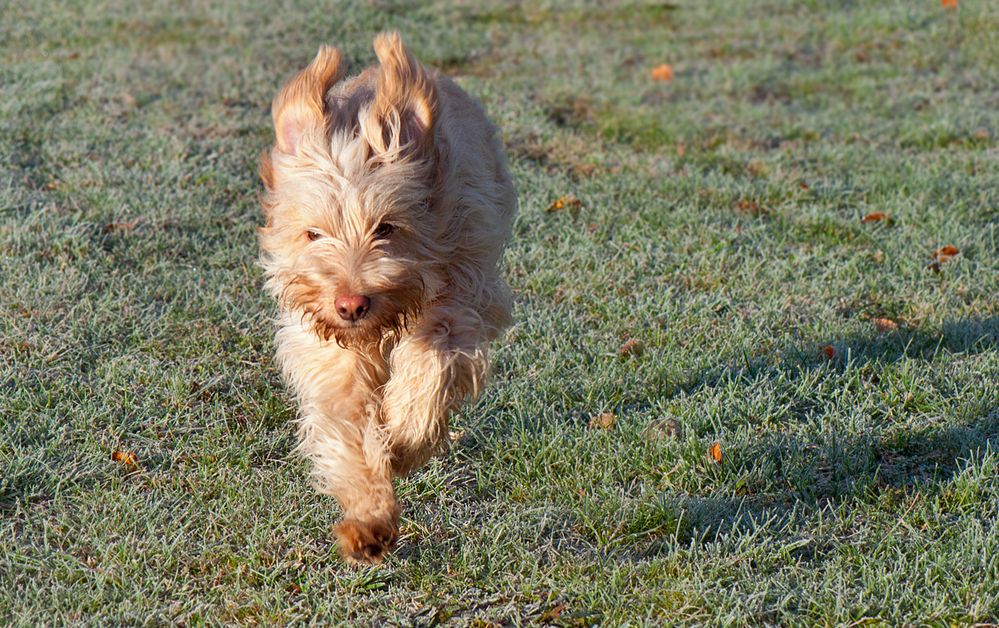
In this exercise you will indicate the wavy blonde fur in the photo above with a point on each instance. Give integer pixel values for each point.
(396, 145)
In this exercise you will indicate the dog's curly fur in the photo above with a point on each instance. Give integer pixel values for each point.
(390, 184)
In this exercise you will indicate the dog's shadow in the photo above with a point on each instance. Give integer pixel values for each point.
(902, 460)
(829, 469)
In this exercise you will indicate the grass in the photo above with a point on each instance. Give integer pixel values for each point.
(719, 227)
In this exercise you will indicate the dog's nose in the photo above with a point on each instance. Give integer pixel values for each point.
(352, 307)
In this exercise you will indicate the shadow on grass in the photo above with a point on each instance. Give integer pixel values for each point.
(837, 466)
(969, 337)
(916, 444)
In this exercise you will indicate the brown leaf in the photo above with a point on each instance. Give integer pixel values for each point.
(828, 351)
(662, 429)
(663, 72)
(125, 227)
(948, 4)
(751, 207)
(552, 613)
(715, 451)
(603, 421)
(126, 459)
(884, 324)
(944, 253)
(631, 347)
(127, 100)
(876, 217)
(568, 201)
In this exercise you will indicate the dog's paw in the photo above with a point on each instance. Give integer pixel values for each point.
(365, 542)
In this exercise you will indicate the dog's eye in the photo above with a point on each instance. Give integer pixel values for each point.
(313, 235)
(383, 231)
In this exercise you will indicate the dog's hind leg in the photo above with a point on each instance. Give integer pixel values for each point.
(440, 363)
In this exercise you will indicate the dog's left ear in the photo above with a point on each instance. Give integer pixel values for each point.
(402, 116)
(299, 108)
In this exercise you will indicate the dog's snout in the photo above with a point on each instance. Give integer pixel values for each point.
(352, 307)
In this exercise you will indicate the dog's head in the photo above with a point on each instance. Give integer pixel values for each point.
(351, 241)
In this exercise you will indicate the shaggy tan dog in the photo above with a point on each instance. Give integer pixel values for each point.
(388, 205)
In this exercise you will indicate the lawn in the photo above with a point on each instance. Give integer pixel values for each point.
(726, 398)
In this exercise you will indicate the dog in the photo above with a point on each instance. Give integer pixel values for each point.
(388, 205)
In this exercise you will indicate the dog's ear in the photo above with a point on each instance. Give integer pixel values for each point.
(298, 108)
(404, 111)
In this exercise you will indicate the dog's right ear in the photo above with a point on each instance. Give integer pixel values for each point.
(299, 108)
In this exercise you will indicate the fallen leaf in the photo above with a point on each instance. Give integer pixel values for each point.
(948, 4)
(569, 201)
(126, 227)
(630, 347)
(884, 324)
(126, 459)
(456, 435)
(944, 253)
(603, 421)
(876, 217)
(747, 206)
(662, 429)
(715, 451)
(662, 73)
(934, 266)
(127, 100)
(551, 614)
(829, 352)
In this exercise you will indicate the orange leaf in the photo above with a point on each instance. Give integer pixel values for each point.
(829, 352)
(715, 452)
(126, 459)
(603, 421)
(884, 324)
(875, 217)
(630, 347)
(662, 72)
(944, 253)
(568, 201)
(948, 4)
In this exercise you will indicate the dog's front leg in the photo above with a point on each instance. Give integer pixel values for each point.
(340, 433)
(432, 369)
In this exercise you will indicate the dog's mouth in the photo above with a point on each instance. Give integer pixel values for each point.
(361, 332)
(386, 317)
(389, 312)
